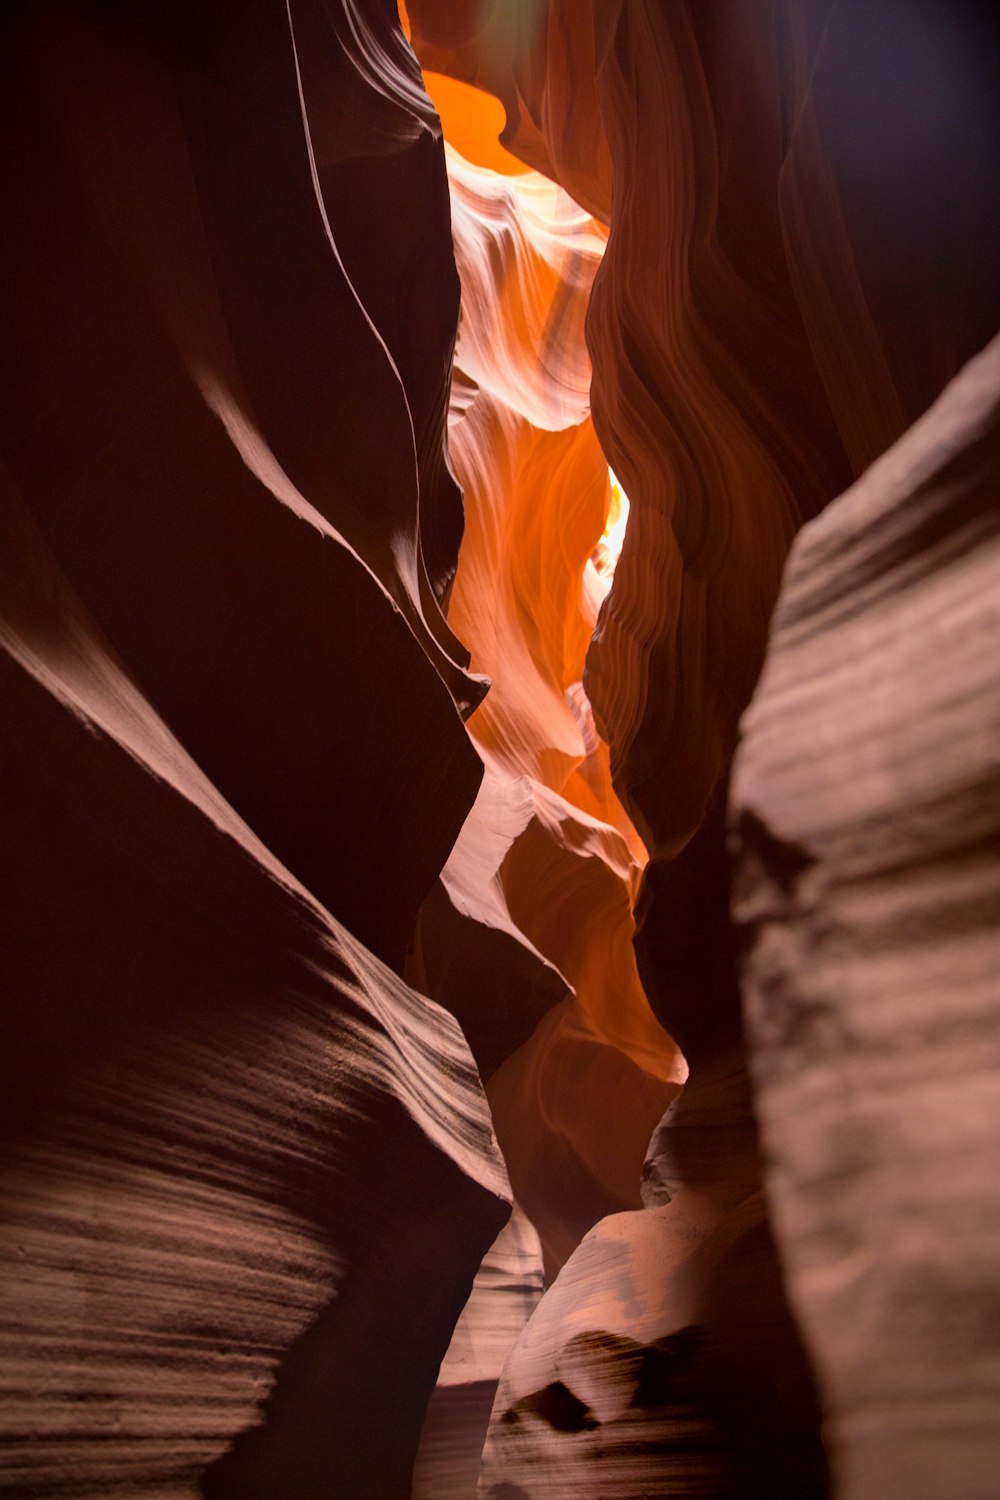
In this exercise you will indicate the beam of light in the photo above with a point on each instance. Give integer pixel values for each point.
(613, 537)
(608, 550)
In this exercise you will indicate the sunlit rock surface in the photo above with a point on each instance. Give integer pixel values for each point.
(568, 888)
(675, 1317)
(537, 496)
(657, 1365)
(507, 1289)
(528, 936)
(538, 61)
(867, 808)
(467, 950)
(787, 190)
(712, 394)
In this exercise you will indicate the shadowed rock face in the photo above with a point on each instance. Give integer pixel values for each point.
(775, 340)
(866, 810)
(642, 1390)
(176, 401)
(206, 1073)
(507, 1289)
(787, 189)
(232, 530)
(248, 1173)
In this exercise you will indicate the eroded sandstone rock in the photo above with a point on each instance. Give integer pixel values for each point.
(205, 402)
(657, 1364)
(205, 1076)
(537, 496)
(538, 60)
(867, 809)
(506, 1291)
(751, 353)
(248, 1173)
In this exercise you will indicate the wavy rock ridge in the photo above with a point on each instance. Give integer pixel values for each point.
(537, 494)
(778, 189)
(248, 1173)
(250, 407)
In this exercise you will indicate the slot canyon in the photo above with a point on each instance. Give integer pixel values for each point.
(500, 803)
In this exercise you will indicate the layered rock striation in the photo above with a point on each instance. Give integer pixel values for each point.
(206, 1073)
(249, 1174)
(780, 190)
(529, 933)
(866, 806)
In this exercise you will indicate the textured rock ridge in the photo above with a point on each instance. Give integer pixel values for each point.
(507, 1289)
(537, 496)
(788, 189)
(376, 143)
(666, 1338)
(528, 934)
(538, 60)
(248, 1173)
(867, 812)
(776, 339)
(780, 189)
(191, 1121)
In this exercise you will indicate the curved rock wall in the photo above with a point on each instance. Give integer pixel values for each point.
(538, 61)
(248, 1173)
(507, 1289)
(790, 188)
(867, 811)
(164, 343)
(206, 1074)
(528, 936)
(537, 496)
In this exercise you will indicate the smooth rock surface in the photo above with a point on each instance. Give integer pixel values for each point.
(657, 1365)
(203, 404)
(525, 600)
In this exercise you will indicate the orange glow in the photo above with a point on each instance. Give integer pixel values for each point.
(472, 122)
(544, 525)
(609, 548)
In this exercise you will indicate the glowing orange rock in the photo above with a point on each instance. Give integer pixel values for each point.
(537, 497)
(539, 61)
(758, 334)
